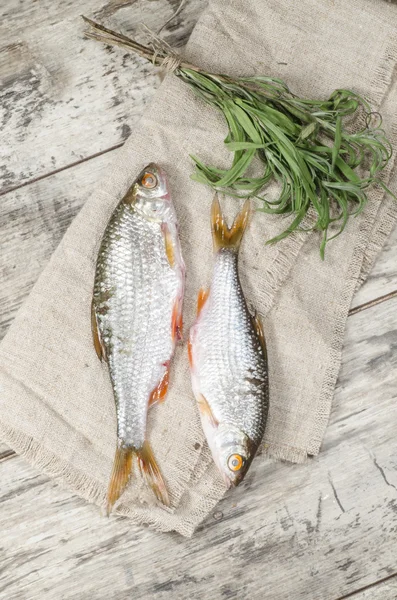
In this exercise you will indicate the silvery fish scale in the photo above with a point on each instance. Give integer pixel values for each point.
(230, 367)
(135, 292)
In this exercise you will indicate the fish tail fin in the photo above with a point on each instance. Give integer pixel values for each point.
(222, 235)
(122, 469)
(152, 474)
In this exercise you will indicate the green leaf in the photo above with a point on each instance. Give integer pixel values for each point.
(233, 146)
(238, 169)
(307, 131)
(337, 142)
(302, 143)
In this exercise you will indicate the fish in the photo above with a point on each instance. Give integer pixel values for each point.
(136, 319)
(228, 357)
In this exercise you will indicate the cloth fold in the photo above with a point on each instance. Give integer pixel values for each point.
(56, 403)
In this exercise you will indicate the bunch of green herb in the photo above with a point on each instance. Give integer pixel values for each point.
(302, 144)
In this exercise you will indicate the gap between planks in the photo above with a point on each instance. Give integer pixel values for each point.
(367, 587)
(8, 454)
(64, 168)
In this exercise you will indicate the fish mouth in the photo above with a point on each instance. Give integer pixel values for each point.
(233, 483)
(229, 483)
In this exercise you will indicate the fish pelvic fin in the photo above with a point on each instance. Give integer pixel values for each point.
(160, 391)
(222, 235)
(190, 353)
(122, 469)
(151, 473)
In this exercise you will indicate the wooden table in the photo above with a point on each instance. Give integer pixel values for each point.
(325, 530)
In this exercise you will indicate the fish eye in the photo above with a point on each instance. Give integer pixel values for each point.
(235, 462)
(149, 181)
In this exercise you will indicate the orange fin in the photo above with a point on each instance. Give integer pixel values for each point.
(205, 410)
(190, 353)
(169, 245)
(177, 321)
(152, 474)
(96, 336)
(122, 469)
(222, 236)
(202, 299)
(260, 333)
(159, 393)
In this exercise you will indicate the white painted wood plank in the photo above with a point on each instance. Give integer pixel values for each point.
(33, 220)
(319, 530)
(4, 449)
(383, 278)
(64, 97)
(383, 591)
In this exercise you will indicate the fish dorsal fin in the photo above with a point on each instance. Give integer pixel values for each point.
(96, 336)
(259, 331)
(222, 236)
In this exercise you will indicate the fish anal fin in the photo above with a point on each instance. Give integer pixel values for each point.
(122, 469)
(202, 299)
(96, 336)
(259, 331)
(222, 235)
(159, 393)
(177, 321)
(151, 473)
(206, 411)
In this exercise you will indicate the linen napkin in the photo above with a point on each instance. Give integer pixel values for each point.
(56, 403)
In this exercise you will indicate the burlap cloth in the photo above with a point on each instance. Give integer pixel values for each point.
(56, 404)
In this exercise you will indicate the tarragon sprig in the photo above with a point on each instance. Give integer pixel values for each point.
(304, 145)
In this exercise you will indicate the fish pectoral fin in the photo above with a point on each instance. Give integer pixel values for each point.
(177, 321)
(259, 331)
(202, 299)
(122, 469)
(160, 391)
(206, 411)
(150, 471)
(169, 244)
(96, 336)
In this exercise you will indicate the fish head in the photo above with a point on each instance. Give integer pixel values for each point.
(233, 452)
(149, 195)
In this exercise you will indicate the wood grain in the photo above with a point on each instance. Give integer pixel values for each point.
(33, 220)
(382, 279)
(35, 217)
(5, 452)
(319, 530)
(325, 530)
(63, 97)
(385, 590)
